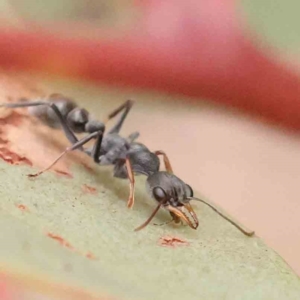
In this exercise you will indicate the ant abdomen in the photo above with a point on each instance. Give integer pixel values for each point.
(47, 115)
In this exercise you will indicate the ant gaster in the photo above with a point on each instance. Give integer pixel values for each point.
(127, 156)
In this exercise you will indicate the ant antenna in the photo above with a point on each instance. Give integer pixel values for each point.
(246, 232)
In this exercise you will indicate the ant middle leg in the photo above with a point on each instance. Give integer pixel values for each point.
(166, 161)
(126, 107)
(95, 153)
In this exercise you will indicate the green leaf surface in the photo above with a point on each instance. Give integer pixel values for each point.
(217, 263)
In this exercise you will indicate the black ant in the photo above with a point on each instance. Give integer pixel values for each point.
(127, 156)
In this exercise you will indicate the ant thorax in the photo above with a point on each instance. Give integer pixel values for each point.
(113, 147)
(142, 160)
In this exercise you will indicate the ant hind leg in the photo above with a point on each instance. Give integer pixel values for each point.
(67, 130)
(77, 145)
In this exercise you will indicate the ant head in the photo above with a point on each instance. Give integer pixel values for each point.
(174, 195)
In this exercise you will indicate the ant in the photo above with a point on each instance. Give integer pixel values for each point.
(127, 156)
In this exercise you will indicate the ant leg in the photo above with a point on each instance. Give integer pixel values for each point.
(126, 106)
(150, 218)
(166, 161)
(75, 146)
(132, 137)
(97, 147)
(67, 130)
(130, 202)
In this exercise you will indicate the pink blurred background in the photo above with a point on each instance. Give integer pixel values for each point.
(237, 61)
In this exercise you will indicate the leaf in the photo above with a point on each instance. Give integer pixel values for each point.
(55, 230)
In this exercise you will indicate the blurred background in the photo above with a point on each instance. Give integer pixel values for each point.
(216, 84)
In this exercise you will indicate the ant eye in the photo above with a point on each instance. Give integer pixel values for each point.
(191, 191)
(159, 193)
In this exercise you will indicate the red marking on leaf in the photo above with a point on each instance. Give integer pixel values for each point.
(23, 207)
(12, 157)
(25, 139)
(3, 141)
(172, 242)
(89, 189)
(87, 167)
(66, 244)
(90, 256)
(14, 118)
(62, 241)
(64, 173)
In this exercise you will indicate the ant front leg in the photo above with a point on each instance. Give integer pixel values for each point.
(150, 218)
(130, 174)
(166, 161)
